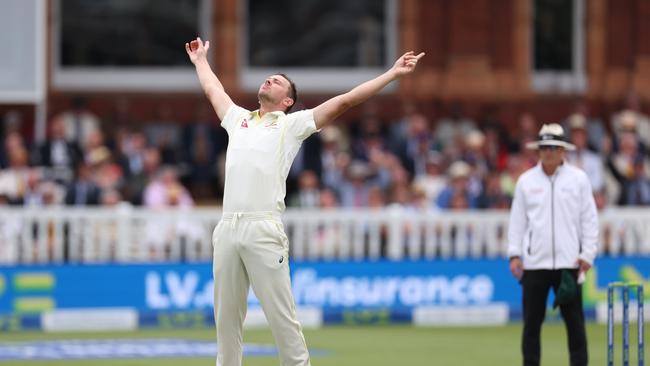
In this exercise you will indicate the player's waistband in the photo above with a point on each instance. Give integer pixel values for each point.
(251, 216)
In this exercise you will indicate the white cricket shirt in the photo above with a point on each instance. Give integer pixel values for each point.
(553, 220)
(260, 153)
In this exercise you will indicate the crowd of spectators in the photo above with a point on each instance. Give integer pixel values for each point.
(414, 162)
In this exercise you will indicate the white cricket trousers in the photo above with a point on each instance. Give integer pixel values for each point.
(251, 248)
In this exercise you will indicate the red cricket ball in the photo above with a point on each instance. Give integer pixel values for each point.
(194, 45)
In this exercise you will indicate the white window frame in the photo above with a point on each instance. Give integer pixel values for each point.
(319, 79)
(35, 66)
(570, 82)
(102, 79)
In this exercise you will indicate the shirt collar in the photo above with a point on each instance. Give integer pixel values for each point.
(557, 171)
(256, 114)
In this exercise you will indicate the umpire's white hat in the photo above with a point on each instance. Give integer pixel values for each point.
(551, 135)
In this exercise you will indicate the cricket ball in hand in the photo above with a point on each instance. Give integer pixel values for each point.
(194, 45)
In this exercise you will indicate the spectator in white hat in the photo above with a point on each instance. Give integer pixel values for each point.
(582, 157)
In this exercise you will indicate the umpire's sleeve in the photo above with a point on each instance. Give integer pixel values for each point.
(518, 222)
(589, 225)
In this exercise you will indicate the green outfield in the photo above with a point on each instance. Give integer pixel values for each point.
(387, 345)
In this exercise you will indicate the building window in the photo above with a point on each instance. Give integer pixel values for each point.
(324, 46)
(135, 44)
(558, 46)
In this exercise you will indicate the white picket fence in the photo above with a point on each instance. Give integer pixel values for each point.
(130, 234)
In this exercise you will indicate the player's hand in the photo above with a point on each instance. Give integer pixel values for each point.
(516, 267)
(197, 50)
(406, 64)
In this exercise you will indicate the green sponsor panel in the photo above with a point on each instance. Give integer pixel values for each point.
(2, 284)
(34, 281)
(594, 290)
(358, 317)
(33, 304)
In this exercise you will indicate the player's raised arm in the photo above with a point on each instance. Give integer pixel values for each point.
(329, 110)
(198, 53)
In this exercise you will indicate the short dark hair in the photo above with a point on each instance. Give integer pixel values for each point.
(293, 93)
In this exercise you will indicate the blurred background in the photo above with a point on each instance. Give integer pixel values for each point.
(111, 158)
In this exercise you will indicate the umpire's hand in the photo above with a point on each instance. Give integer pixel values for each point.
(516, 267)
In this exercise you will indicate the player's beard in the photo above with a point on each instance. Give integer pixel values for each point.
(264, 96)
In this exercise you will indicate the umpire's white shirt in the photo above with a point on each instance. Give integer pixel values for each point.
(260, 153)
(553, 220)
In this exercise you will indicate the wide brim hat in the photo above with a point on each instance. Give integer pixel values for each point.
(459, 169)
(551, 135)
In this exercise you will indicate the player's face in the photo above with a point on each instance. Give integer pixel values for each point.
(274, 89)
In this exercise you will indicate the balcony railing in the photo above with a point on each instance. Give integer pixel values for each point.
(128, 234)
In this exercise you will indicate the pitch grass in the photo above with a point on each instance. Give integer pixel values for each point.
(388, 345)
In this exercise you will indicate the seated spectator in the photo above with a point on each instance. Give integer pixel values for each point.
(326, 239)
(58, 153)
(626, 164)
(517, 165)
(94, 140)
(167, 191)
(496, 147)
(376, 198)
(527, 133)
(164, 133)
(458, 201)
(593, 126)
(354, 188)
(418, 144)
(110, 198)
(31, 193)
(308, 194)
(131, 157)
(631, 115)
(636, 188)
(328, 199)
(459, 173)
(13, 179)
(202, 166)
(12, 141)
(493, 196)
(52, 193)
(83, 190)
(105, 172)
(400, 196)
(433, 181)
(78, 121)
(333, 149)
(10, 231)
(474, 151)
(136, 183)
(450, 130)
(582, 157)
(401, 131)
(419, 199)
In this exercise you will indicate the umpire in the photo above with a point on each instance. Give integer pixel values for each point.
(552, 238)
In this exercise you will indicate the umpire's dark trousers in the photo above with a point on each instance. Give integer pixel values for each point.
(536, 285)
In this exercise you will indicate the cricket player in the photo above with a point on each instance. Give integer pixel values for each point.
(250, 245)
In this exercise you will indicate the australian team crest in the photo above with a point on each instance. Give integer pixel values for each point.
(244, 124)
